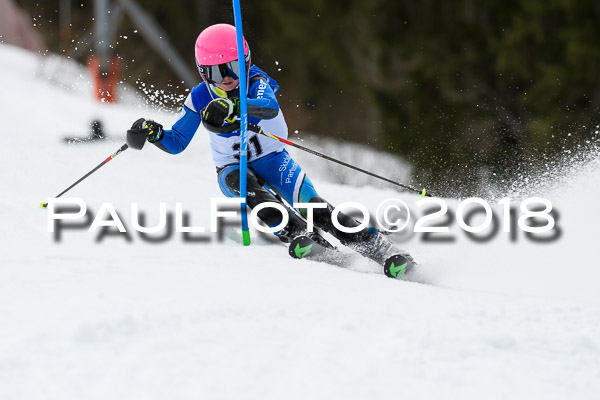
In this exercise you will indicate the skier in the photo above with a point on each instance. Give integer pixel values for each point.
(272, 173)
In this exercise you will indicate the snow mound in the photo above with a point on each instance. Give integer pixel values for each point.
(110, 317)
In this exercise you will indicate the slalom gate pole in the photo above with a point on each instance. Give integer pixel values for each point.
(116, 153)
(258, 129)
(237, 13)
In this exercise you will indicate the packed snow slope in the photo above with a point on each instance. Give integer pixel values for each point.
(131, 319)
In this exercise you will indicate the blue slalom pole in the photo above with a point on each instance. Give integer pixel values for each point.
(237, 13)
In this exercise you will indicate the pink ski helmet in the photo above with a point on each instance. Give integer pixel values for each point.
(216, 53)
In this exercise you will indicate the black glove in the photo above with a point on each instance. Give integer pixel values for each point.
(143, 130)
(219, 111)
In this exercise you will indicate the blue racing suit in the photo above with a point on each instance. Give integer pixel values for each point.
(272, 171)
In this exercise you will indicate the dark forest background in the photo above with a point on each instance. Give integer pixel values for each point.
(469, 92)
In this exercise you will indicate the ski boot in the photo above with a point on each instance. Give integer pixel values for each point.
(297, 227)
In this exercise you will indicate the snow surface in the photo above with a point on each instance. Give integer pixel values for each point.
(81, 319)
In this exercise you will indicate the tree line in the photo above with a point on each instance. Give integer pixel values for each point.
(467, 91)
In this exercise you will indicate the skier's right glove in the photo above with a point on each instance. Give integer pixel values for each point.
(219, 111)
(143, 130)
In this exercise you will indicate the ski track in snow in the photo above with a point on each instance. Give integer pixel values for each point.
(81, 319)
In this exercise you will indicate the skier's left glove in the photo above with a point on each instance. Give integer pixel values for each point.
(143, 130)
(220, 111)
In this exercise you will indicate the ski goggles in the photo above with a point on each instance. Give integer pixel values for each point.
(217, 73)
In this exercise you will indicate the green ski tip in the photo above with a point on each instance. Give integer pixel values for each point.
(302, 252)
(398, 271)
(246, 238)
(43, 205)
(423, 193)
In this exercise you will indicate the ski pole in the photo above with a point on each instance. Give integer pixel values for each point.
(116, 153)
(237, 14)
(258, 129)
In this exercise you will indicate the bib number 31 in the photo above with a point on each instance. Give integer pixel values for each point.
(252, 141)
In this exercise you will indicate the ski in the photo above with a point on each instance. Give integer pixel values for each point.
(395, 266)
(305, 247)
(398, 266)
(396, 263)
